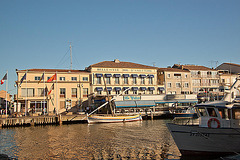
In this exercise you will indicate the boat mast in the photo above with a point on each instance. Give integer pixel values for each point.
(108, 96)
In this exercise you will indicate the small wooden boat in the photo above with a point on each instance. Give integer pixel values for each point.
(113, 119)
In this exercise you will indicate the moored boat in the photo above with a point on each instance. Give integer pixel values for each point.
(218, 131)
(113, 119)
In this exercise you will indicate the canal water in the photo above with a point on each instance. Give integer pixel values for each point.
(133, 140)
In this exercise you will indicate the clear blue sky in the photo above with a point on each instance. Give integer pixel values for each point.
(36, 34)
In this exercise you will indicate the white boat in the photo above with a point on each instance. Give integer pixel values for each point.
(113, 119)
(218, 131)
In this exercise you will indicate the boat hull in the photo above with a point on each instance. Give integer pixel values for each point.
(113, 119)
(194, 140)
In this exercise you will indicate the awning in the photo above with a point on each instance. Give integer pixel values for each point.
(108, 75)
(187, 101)
(99, 75)
(143, 88)
(134, 75)
(145, 103)
(99, 88)
(134, 88)
(117, 75)
(151, 76)
(123, 104)
(151, 88)
(162, 102)
(117, 88)
(161, 88)
(142, 75)
(125, 75)
(109, 88)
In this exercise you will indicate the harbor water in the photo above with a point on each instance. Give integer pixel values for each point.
(148, 139)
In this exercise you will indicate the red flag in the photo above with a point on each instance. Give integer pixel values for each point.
(3, 79)
(52, 87)
(54, 77)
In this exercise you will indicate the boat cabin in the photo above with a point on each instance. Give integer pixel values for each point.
(218, 115)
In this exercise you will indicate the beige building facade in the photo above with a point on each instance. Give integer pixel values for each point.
(204, 79)
(116, 76)
(68, 89)
(175, 81)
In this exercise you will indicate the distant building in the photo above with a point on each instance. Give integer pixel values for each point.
(176, 81)
(228, 73)
(69, 89)
(203, 79)
(3, 99)
(230, 67)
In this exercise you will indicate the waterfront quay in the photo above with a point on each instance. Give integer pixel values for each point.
(42, 120)
(69, 118)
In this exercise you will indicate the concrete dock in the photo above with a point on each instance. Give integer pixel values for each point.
(6, 122)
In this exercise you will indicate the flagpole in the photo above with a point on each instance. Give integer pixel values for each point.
(6, 92)
(56, 94)
(44, 92)
(26, 95)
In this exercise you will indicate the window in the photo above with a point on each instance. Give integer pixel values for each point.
(186, 76)
(236, 113)
(118, 92)
(27, 92)
(85, 92)
(177, 75)
(125, 79)
(86, 78)
(109, 92)
(142, 80)
(168, 75)
(74, 78)
(151, 92)
(108, 80)
(99, 92)
(211, 112)
(178, 85)
(62, 78)
(169, 85)
(134, 92)
(134, 80)
(150, 80)
(37, 78)
(98, 80)
(62, 92)
(186, 85)
(117, 80)
(41, 92)
(74, 92)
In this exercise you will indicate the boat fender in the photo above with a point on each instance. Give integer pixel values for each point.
(210, 122)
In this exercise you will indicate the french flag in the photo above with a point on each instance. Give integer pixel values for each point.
(4, 78)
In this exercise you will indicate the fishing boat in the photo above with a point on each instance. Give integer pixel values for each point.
(217, 131)
(113, 119)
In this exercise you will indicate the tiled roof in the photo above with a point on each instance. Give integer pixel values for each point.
(120, 64)
(172, 70)
(232, 64)
(193, 67)
(52, 70)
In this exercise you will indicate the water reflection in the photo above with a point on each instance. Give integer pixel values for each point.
(133, 140)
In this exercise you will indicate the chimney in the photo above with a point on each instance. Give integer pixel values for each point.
(116, 61)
